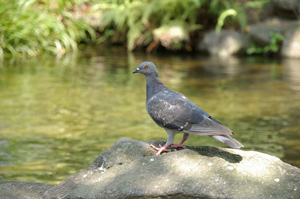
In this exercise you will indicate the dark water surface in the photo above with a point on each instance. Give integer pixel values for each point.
(57, 115)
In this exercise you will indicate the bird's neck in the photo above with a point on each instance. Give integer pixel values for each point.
(154, 85)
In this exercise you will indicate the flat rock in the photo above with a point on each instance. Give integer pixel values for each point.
(129, 169)
(22, 190)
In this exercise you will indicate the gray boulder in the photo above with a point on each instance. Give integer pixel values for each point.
(260, 33)
(291, 44)
(129, 169)
(22, 190)
(225, 43)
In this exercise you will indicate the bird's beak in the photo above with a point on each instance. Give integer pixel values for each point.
(136, 71)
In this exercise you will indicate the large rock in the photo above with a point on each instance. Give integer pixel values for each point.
(225, 43)
(260, 33)
(129, 169)
(291, 44)
(22, 190)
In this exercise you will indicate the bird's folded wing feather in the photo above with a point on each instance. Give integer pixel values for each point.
(172, 110)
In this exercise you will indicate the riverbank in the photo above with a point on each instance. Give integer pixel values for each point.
(222, 28)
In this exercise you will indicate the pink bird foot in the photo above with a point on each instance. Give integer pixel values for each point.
(161, 149)
(177, 146)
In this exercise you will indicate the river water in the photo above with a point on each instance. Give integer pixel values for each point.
(58, 114)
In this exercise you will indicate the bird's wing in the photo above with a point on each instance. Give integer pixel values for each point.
(173, 110)
(210, 127)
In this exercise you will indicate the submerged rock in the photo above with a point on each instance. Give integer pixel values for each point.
(130, 169)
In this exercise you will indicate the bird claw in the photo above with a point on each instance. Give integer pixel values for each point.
(177, 146)
(160, 149)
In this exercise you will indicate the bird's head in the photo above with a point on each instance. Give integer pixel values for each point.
(147, 68)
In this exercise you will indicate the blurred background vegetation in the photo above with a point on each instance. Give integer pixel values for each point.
(29, 27)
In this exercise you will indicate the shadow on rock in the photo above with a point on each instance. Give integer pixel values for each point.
(208, 151)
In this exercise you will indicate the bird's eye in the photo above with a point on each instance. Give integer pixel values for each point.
(145, 67)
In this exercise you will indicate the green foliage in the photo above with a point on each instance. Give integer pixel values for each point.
(28, 27)
(237, 9)
(135, 21)
(224, 8)
(138, 18)
(275, 42)
(221, 19)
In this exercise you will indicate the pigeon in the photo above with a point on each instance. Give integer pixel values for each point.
(177, 114)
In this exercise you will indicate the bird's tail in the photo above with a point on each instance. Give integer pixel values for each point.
(229, 141)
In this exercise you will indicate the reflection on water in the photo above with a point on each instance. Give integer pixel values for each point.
(292, 72)
(56, 116)
(225, 65)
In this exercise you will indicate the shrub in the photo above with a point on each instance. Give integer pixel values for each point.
(28, 27)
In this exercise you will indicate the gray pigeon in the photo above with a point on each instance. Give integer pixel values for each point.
(177, 114)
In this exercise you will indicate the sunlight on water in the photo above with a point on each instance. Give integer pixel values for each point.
(56, 116)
